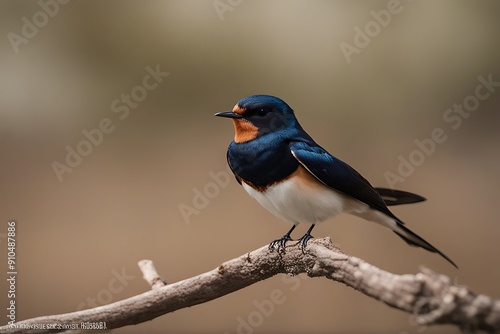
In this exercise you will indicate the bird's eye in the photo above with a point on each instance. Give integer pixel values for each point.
(262, 112)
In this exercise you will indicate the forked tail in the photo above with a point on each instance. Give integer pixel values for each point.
(413, 239)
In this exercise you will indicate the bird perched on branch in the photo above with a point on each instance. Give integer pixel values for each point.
(284, 169)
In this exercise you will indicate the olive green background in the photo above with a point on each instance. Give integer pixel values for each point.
(122, 202)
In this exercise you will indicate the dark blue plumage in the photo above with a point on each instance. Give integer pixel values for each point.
(284, 169)
(338, 175)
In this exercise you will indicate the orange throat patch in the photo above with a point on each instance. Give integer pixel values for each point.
(244, 131)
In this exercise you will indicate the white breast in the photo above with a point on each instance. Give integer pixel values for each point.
(303, 199)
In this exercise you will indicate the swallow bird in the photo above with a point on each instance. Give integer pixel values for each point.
(297, 180)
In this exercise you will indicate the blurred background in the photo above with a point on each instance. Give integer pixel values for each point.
(364, 84)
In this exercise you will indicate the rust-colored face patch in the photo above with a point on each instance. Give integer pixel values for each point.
(239, 110)
(244, 130)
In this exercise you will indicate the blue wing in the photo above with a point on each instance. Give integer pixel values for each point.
(338, 175)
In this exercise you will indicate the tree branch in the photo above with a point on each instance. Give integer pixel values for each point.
(432, 298)
(150, 275)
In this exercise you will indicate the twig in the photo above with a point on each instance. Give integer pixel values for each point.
(431, 297)
(150, 275)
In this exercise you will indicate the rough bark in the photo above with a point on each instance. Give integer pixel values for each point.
(432, 298)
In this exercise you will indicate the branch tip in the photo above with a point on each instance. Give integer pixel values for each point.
(150, 274)
(430, 297)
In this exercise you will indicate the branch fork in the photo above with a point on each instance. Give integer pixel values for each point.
(432, 298)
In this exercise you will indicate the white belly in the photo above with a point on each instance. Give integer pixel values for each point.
(302, 199)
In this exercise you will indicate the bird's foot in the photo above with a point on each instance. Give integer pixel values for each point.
(280, 243)
(302, 242)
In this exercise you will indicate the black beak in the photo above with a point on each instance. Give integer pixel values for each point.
(228, 114)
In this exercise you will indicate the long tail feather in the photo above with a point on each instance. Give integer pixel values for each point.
(413, 239)
(398, 197)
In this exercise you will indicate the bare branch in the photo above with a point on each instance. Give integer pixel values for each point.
(430, 297)
(150, 275)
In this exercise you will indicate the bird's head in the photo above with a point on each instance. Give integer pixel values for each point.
(258, 115)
